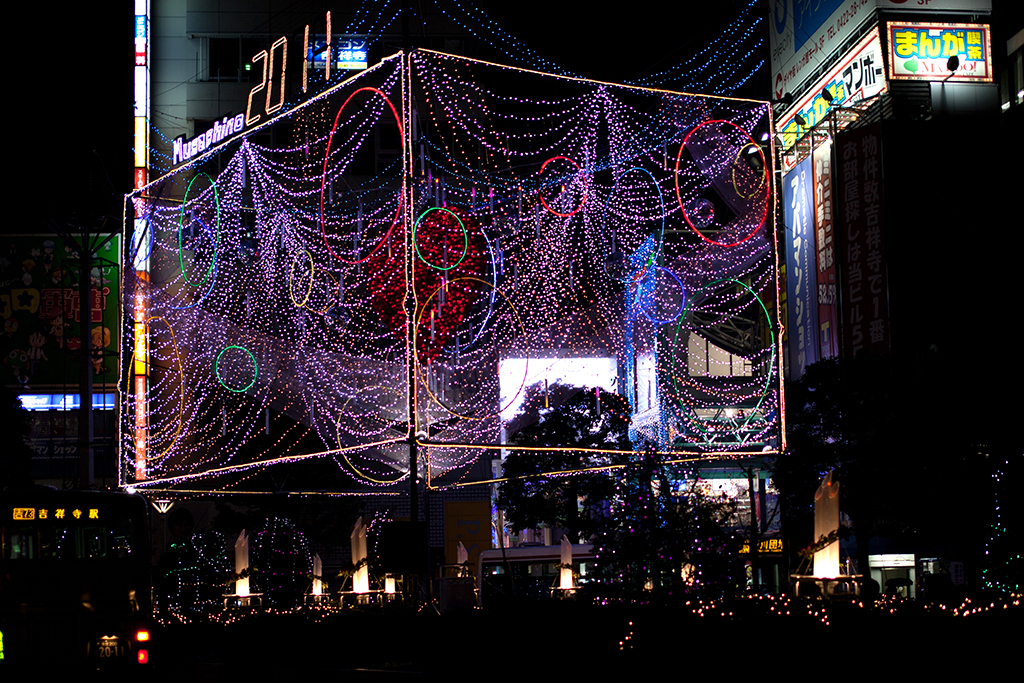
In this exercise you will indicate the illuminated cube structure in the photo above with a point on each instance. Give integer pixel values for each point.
(527, 228)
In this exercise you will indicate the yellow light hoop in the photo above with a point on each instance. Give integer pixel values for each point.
(181, 382)
(385, 389)
(736, 162)
(334, 301)
(419, 371)
(291, 280)
(337, 428)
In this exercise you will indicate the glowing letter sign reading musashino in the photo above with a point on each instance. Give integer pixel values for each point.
(186, 149)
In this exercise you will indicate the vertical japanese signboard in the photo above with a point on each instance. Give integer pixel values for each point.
(801, 281)
(865, 289)
(824, 240)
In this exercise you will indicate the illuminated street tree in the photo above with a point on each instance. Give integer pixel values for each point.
(547, 486)
(662, 538)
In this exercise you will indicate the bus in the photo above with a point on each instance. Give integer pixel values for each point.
(527, 572)
(75, 578)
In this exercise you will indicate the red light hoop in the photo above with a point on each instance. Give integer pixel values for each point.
(679, 196)
(585, 188)
(323, 178)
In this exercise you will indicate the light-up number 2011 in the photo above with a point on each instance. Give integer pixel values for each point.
(268, 70)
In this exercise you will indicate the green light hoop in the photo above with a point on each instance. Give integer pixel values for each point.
(255, 369)
(465, 238)
(181, 221)
(771, 331)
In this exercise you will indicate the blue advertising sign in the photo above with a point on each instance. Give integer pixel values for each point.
(801, 273)
(347, 52)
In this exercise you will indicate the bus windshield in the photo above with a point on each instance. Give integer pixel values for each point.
(81, 560)
(61, 539)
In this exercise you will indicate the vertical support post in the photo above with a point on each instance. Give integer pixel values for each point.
(86, 464)
(755, 527)
(411, 306)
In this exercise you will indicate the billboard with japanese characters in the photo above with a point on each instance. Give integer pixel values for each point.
(801, 280)
(922, 52)
(41, 310)
(824, 242)
(865, 307)
(858, 76)
(805, 34)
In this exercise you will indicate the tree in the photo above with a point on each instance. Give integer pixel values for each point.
(16, 465)
(547, 486)
(894, 440)
(659, 541)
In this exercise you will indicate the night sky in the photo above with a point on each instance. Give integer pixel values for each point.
(77, 149)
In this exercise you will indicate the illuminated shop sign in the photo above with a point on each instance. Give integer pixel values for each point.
(65, 401)
(186, 149)
(349, 52)
(856, 77)
(140, 124)
(140, 40)
(341, 52)
(32, 514)
(801, 271)
(804, 34)
(922, 52)
(765, 545)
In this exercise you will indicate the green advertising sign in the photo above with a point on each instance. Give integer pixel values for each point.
(41, 310)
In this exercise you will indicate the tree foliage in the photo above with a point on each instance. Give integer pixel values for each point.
(548, 486)
(662, 540)
(890, 436)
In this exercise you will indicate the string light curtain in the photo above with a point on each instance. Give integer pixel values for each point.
(449, 222)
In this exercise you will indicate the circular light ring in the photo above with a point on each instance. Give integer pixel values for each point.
(355, 469)
(291, 280)
(419, 366)
(679, 195)
(682, 302)
(152, 227)
(332, 302)
(735, 163)
(494, 287)
(771, 330)
(661, 236)
(216, 236)
(181, 381)
(368, 477)
(465, 238)
(585, 188)
(367, 429)
(323, 178)
(133, 251)
(255, 369)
